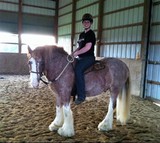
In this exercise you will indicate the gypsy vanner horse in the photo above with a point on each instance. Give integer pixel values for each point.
(53, 62)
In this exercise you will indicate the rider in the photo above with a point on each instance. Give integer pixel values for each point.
(84, 56)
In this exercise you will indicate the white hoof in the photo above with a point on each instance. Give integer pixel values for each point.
(104, 127)
(53, 127)
(66, 133)
(118, 118)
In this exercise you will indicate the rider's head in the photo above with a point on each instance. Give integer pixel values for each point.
(88, 17)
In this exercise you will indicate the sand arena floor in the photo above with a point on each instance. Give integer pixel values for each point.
(26, 113)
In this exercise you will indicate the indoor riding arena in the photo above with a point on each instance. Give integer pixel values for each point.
(125, 29)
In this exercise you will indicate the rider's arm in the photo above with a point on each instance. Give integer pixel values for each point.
(86, 48)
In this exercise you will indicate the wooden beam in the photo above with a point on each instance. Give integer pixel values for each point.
(20, 26)
(73, 24)
(100, 23)
(55, 32)
(145, 42)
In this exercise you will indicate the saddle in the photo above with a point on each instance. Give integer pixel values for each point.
(98, 65)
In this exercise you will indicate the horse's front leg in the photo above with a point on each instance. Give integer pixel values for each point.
(67, 129)
(58, 121)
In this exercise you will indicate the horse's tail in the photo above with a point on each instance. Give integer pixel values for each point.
(123, 103)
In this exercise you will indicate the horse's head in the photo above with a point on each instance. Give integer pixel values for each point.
(36, 66)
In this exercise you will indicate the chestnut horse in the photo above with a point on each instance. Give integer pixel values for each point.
(56, 65)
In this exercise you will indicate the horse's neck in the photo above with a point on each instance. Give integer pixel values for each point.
(54, 66)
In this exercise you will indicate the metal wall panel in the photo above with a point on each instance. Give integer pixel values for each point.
(40, 7)
(65, 30)
(38, 16)
(41, 3)
(8, 22)
(65, 42)
(9, 16)
(9, 7)
(64, 10)
(65, 19)
(122, 28)
(65, 24)
(14, 1)
(40, 11)
(82, 3)
(64, 3)
(152, 89)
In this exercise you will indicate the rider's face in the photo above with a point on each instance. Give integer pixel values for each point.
(86, 24)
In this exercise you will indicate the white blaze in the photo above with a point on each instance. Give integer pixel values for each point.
(33, 76)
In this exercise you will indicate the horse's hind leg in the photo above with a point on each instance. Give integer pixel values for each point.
(58, 121)
(106, 124)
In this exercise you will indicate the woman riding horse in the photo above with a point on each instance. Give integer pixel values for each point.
(86, 58)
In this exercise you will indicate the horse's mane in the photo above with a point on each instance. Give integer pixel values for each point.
(53, 51)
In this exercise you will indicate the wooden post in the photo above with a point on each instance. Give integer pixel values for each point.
(100, 22)
(20, 25)
(145, 42)
(55, 32)
(73, 24)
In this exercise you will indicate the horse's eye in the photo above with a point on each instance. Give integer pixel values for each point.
(30, 62)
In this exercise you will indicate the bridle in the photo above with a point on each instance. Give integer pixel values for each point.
(70, 59)
(38, 71)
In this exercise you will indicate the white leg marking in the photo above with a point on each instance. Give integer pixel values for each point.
(67, 129)
(106, 124)
(58, 121)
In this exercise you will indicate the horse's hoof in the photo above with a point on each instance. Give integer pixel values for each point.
(104, 127)
(66, 133)
(53, 127)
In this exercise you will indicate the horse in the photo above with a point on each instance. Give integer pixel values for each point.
(58, 67)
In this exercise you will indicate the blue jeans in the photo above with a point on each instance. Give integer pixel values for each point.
(82, 65)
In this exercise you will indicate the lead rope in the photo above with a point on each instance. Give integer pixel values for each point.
(70, 59)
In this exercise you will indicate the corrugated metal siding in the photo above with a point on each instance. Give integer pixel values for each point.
(153, 67)
(9, 6)
(38, 24)
(64, 3)
(8, 22)
(122, 28)
(65, 24)
(9, 16)
(38, 16)
(42, 3)
(83, 3)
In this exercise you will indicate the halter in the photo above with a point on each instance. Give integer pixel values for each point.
(70, 59)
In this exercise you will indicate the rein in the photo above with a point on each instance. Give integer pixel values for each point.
(70, 59)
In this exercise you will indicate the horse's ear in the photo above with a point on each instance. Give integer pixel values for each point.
(29, 50)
